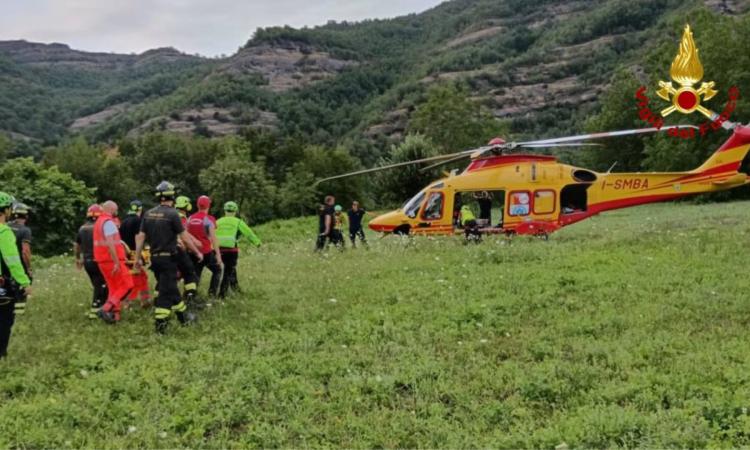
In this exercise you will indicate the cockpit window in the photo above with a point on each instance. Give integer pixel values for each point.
(433, 209)
(411, 208)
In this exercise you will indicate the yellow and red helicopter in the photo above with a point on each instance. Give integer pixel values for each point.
(539, 195)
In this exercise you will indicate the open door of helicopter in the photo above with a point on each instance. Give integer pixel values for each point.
(487, 205)
(574, 197)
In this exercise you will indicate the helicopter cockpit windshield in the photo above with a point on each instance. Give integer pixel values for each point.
(411, 208)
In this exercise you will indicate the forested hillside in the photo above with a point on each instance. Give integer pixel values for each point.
(538, 64)
(294, 105)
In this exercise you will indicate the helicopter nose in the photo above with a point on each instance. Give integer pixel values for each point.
(384, 223)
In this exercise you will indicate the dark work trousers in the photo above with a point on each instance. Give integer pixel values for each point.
(353, 233)
(471, 231)
(7, 317)
(168, 300)
(97, 282)
(187, 270)
(229, 280)
(337, 238)
(320, 244)
(210, 262)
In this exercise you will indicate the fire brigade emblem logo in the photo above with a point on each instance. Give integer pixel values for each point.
(686, 71)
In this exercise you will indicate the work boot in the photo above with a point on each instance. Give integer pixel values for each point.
(186, 318)
(161, 326)
(193, 302)
(107, 316)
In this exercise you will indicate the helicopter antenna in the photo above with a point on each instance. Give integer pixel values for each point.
(612, 167)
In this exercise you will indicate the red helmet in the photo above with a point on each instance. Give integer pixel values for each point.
(203, 202)
(496, 141)
(94, 211)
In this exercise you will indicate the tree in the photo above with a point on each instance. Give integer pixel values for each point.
(235, 176)
(619, 111)
(58, 202)
(324, 162)
(164, 156)
(454, 122)
(298, 193)
(96, 166)
(4, 147)
(396, 185)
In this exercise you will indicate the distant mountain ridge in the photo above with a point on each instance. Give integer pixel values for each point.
(39, 54)
(539, 65)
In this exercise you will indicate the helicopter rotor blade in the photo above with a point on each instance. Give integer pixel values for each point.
(584, 137)
(442, 163)
(389, 166)
(465, 155)
(563, 144)
(568, 141)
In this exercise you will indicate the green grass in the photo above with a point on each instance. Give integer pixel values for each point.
(630, 329)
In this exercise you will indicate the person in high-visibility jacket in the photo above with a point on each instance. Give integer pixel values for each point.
(110, 255)
(469, 222)
(229, 230)
(23, 235)
(15, 285)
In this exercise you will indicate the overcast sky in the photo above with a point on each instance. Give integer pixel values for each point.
(208, 27)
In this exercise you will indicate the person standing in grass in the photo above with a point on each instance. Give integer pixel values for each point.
(128, 229)
(202, 226)
(229, 230)
(23, 235)
(109, 254)
(184, 262)
(84, 254)
(16, 285)
(356, 214)
(339, 223)
(160, 228)
(325, 222)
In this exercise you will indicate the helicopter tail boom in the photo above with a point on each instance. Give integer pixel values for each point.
(729, 156)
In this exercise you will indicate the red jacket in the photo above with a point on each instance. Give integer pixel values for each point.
(197, 225)
(101, 251)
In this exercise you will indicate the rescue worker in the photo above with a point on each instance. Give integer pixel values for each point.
(202, 226)
(23, 235)
(356, 214)
(339, 222)
(469, 222)
(325, 222)
(109, 254)
(184, 262)
(229, 230)
(129, 228)
(160, 228)
(84, 254)
(15, 285)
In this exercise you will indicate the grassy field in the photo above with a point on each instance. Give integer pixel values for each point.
(630, 329)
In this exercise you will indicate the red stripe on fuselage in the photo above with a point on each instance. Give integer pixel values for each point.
(633, 201)
(728, 167)
(740, 137)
